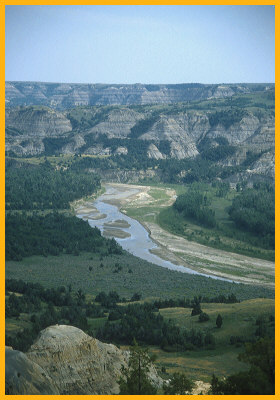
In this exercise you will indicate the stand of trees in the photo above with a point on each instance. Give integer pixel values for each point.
(83, 118)
(52, 234)
(195, 170)
(135, 321)
(187, 303)
(142, 126)
(227, 117)
(254, 210)
(218, 153)
(49, 307)
(43, 187)
(40, 187)
(194, 205)
(135, 378)
(248, 218)
(143, 323)
(259, 380)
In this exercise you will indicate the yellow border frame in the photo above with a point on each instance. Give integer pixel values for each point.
(2, 179)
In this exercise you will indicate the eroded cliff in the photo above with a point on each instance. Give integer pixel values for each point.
(169, 134)
(65, 360)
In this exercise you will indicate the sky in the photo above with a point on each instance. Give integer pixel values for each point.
(140, 44)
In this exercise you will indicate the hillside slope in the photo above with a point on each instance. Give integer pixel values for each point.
(214, 130)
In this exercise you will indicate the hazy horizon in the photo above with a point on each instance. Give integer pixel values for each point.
(143, 83)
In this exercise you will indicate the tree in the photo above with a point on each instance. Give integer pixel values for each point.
(259, 380)
(261, 355)
(80, 297)
(209, 340)
(179, 384)
(114, 315)
(135, 378)
(196, 306)
(219, 321)
(136, 297)
(164, 343)
(203, 317)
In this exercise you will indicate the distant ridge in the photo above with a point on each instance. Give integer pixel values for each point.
(63, 96)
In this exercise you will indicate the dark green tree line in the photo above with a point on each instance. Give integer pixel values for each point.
(43, 187)
(52, 234)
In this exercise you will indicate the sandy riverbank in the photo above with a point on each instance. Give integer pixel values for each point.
(193, 255)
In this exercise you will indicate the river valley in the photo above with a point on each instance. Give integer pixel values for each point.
(149, 241)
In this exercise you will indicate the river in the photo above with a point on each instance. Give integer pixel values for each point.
(128, 232)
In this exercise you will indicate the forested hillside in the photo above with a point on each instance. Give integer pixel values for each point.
(43, 187)
(38, 216)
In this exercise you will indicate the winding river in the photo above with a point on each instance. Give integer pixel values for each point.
(128, 232)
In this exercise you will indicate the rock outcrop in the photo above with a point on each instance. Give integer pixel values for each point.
(117, 124)
(121, 150)
(265, 165)
(65, 360)
(23, 376)
(169, 128)
(25, 147)
(153, 152)
(127, 176)
(28, 128)
(78, 363)
(38, 122)
(256, 134)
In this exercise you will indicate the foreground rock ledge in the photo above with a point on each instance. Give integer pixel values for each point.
(65, 360)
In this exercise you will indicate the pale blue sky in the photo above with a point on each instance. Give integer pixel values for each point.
(145, 44)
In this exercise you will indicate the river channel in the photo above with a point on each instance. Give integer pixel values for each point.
(128, 232)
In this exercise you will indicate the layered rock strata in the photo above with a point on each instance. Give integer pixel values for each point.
(67, 95)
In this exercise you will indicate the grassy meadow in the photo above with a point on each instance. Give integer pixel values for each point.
(239, 319)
